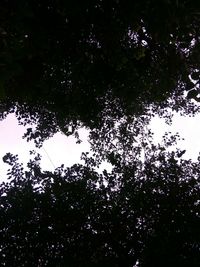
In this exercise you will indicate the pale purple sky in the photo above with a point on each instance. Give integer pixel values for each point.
(187, 127)
(59, 149)
(62, 149)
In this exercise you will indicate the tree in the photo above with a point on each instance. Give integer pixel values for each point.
(66, 64)
(109, 66)
(143, 213)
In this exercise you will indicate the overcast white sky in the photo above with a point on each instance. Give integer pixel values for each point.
(57, 150)
(187, 127)
(61, 149)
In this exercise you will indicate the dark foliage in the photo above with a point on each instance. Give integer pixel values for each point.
(144, 213)
(108, 65)
(64, 64)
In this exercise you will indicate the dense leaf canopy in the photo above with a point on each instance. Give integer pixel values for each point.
(65, 64)
(108, 65)
(144, 213)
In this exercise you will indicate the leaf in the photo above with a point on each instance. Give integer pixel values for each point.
(189, 86)
(192, 93)
(195, 75)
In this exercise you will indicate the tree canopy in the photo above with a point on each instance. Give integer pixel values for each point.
(108, 65)
(140, 214)
(66, 64)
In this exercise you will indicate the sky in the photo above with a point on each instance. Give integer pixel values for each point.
(55, 151)
(187, 127)
(64, 150)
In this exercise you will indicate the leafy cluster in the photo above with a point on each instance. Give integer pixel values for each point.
(140, 214)
(65, 64)
(110, 66)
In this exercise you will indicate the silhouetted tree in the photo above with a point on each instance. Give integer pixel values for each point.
(143, 212)
(65, 64)
(109, 66)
